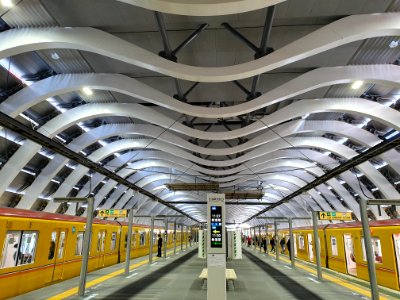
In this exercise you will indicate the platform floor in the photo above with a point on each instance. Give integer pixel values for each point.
(259, 277)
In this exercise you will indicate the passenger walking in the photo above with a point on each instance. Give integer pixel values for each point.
(159, 245)
(272, 243)
(282, 243)
(264, 244)
(249, 241)
(288, 246)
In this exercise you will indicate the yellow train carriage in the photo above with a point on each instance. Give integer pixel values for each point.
(346, 250)
(343, 249)
(40, 248)
(304, 245)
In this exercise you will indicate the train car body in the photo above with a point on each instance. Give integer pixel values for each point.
(42, 248)
(343, 249)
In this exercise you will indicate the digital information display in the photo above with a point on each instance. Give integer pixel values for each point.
(216, 226)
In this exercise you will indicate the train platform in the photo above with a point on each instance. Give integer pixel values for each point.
(177, 277)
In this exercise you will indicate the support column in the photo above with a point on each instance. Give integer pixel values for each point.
(267, 239)
(166, 238)
(291, 243)
(317, 245)
(151, 241)
(276, 240)
(128, 243)
(181, 237)
(187, 236)
(369, 251)
(174, 237)
(259, 238)
(86, 246)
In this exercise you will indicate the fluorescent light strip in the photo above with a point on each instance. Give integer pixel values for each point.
(29, 119)
(14, 191)
(357, 84)
(61, 139)
(391, 135)
(28, 172)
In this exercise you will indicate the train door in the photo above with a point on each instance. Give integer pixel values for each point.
(396, 241)
(101, 241)
(295, 244)
(59, 252)
(349, 254)
(310, 247)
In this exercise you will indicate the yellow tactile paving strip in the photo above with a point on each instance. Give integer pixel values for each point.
(96, 281)
(347, 284)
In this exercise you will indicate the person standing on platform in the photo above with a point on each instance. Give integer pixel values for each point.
(159, 245)
(264, 243)
(282, 243)
(272, 243)
(288, 246)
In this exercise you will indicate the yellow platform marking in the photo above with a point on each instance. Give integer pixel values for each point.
(337, 280)
(96, 281)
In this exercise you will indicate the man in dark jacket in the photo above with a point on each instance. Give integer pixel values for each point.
(159, 245)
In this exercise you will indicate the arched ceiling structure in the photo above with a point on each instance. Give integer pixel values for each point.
(263, 95)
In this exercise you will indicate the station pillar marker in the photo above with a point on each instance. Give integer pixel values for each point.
(216, 247)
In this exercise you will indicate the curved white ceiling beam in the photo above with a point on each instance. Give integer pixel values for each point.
(105, 131)
(347, 176)
(259, 151)
(302, 164)
(202, 7)
(375, 111)
(80, 171)
(343, 31)
(375, 176)
(18, 103)
(297, 183)
(65, 83)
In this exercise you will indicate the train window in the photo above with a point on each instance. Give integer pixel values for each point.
(61, 245)
(142, 238)
(334, 246)
(27, 248)
(52, 247)
(98, 241)
(79, 243)
(113, 241)
(103, 240)
(10, 248)
(376, 249)
(301, 242)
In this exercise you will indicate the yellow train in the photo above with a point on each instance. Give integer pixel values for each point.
(343, 250)
(42, 248)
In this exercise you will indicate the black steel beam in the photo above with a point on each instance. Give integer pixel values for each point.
(355, 161)
(44, 141)
(167, 53)
(190, 38)
(240, 36)
(227, 203)
(263, 49)
(190, 89)
(266, 32)
(246, 91)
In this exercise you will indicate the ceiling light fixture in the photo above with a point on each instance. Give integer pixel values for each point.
(357, 84)
(393, 44)
(7, 3)
(87, 91)
(55, 56)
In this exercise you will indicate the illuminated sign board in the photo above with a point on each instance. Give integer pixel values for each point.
(216, 226)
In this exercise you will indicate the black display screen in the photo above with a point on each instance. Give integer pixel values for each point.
(216, 227)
